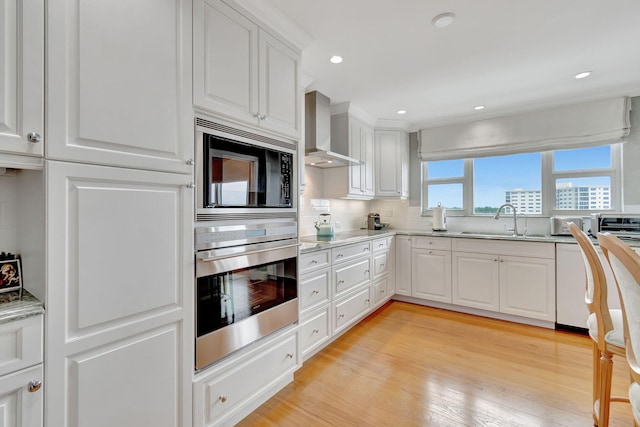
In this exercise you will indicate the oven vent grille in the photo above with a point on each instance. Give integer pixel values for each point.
(237, 132)
(244, 216)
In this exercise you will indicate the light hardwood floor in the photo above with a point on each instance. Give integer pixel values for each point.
(408, 365)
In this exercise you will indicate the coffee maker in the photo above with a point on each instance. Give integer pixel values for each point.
(373, 221)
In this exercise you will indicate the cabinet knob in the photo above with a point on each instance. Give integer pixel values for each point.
(191, 162)
(367, 300)
(190, 185)
(222, 398)
(264, 117)
(34, 137)
(495, 260)
(290, 355)
(34, 385)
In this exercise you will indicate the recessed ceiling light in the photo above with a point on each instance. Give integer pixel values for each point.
(479, 107)
(336, 59)
(401, 112)
(443, 20)
(583, 74)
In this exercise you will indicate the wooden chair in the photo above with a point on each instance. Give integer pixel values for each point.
(605, 328)
(625, 264)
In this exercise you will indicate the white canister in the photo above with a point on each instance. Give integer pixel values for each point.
(439, 218)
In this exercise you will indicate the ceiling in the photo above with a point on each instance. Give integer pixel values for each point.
(510, 56)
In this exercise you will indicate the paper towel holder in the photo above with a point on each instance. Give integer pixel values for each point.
(439, 218)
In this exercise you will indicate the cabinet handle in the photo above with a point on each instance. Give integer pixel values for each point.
(382, 291)
(495, 260)
(366, 272)
(339, 256)
(313, 261)
(256, 115)
(263, 117)
(191, 162)
(501, 260)
(430, 252)
(367, 300)
(190, 185)
(34, 137)
(340, 316)
(316, 331)
(381, 265)
(290, 355)
(315, 292)
(365, 250)
(34, 385)
(430, 242)
(222, 398)
(340, 282)
(380, 245)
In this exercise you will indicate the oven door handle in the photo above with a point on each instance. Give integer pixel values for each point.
(213, 255)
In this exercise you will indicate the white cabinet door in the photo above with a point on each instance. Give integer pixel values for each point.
(279, 99)
(21, 82)
(392, 164)
(527, 287)
(368, 169)
(20, 404)
(403, 265)
(243, 72)
(119, 295)
(431, 275)
(119, 83)
(475, 280)
(225, 61)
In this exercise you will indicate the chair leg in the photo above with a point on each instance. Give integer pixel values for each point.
(606, 372)
(596, 383)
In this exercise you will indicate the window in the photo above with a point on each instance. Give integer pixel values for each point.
(444, 184)
(548, 183)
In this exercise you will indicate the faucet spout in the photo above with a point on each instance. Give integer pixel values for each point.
(515, 216)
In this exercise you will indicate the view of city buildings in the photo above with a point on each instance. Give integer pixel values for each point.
(567, 197)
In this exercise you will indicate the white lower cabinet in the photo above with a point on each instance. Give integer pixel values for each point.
(516, 278)
(315, 330)
(431, 274)
(351, 308)
(229, 391)
(403, 265)
(21, 373)
(21, 402)
(381, 292)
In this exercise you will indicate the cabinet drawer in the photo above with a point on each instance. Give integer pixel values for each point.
(225, 393)
(527, 249)
(351, 309)
(380, 244)
(313, 261)
(350, 276)
(314, 331)
(380, 290)
(20, 344)
(428, 242)
(314, 289)
(348, 252)
(380, 264)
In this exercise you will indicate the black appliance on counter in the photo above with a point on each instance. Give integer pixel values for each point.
(373, 221)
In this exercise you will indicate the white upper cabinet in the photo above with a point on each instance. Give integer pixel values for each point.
(21, 83)
(355, 138)
(243, 72)
(392, 164)
(119, 83)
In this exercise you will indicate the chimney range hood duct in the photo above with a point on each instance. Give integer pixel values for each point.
(318, 151)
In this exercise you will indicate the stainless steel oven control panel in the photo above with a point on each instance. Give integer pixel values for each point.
(221, 236)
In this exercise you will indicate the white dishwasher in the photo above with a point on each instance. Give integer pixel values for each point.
(571, 309)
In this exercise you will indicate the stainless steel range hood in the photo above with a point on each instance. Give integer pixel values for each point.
(318, 150)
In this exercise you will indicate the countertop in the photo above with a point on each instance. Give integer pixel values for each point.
(19, 304)
(313, 243)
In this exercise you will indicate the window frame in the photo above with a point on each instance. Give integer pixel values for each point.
(548, 185)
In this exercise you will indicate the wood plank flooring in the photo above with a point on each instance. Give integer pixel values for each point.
(409, 365)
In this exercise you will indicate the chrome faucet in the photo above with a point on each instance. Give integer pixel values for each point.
(515, 216)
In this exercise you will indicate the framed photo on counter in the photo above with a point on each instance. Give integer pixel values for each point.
(10, 275)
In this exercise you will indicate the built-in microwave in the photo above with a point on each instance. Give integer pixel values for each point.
(242, 173)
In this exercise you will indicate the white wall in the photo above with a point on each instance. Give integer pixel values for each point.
(345, 214)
